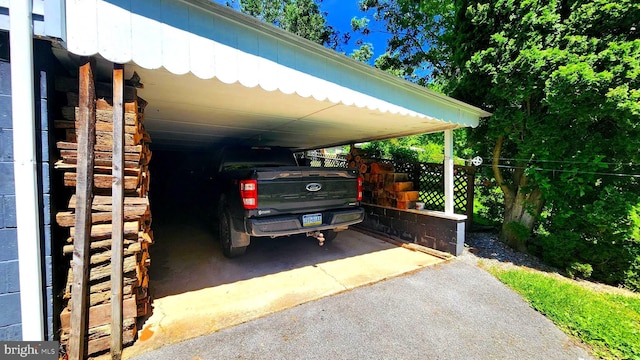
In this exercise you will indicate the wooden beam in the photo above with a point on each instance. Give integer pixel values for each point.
(84, 197)
(117, 212)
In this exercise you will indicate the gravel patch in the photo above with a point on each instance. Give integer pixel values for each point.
(483, 249)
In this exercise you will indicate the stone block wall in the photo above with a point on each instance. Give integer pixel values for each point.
(432, 229)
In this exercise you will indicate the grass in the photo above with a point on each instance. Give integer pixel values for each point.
(609, 323)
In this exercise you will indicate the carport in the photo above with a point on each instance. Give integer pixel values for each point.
(212, 76)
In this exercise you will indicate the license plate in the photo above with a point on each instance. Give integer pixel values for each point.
(312, 220)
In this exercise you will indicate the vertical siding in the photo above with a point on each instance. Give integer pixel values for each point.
(45, 216)
(10, 320)
(10, 328)
(45, 70)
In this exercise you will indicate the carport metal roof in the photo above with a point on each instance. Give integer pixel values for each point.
(212, 74)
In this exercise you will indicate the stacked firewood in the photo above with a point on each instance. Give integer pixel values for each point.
(137, 218)
(382, 185)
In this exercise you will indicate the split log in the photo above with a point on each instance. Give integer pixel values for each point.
(406, 195)
(101, 314)
(104, 270)
(136, 106)
(100, 292)
(99, 258)
(67, 218)
(100, 167)
(146, 236)
(65, 145)
(103, 181)
(381, 168)
(133, 106)
(103, 89)
(403, 186)
(100, 337)
(133, 208)
(104, 116)
(391, 178)
(404, 205)
(102, 155)
(100, 126)
(104, 138)
(106, 200)
(98, 245)
(103, 231)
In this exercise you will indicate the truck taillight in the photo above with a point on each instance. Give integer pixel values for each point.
(360, 181)
(249, 193)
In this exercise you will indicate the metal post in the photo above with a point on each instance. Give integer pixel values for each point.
(448, 172)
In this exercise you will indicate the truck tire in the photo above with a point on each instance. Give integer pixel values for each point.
(227, 234)
(329, 235)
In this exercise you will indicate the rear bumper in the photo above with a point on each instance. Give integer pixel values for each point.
(292, 224)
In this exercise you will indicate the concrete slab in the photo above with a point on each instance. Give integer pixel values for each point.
(197, 291)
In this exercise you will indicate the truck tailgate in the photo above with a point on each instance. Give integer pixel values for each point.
(297, 190)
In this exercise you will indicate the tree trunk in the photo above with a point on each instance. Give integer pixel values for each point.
(522, 204)
(520, 215)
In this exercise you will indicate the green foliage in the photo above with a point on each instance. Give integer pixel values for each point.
(403, 154)
(562, 79)
(608, 323)
(600, 234)
(517, 231)
(579, 270)
(517, 235)
(432, 153)
(301, 17)
(488, 202)
(427, 148)
(363, 54)
(375, 150)
(414, 49)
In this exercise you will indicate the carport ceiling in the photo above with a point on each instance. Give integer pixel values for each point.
(187, 111)
(212, 74)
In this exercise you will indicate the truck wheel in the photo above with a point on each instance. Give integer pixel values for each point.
(329, 235)
(227, 233)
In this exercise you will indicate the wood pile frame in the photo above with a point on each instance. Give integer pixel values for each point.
(112, 266)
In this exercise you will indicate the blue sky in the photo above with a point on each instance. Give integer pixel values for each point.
(340, 13)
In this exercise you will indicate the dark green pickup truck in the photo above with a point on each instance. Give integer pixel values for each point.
(261, 191)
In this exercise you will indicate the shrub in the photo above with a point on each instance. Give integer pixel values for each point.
(403, 154)
(579, 270)
(603, 232)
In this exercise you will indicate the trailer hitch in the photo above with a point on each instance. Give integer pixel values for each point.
(318, 235)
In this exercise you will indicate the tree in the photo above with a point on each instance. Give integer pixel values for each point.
(363, 54)
(413, 46)
(301, 17)
(562, 80)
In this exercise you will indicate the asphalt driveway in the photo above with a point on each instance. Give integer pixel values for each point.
(452, 310)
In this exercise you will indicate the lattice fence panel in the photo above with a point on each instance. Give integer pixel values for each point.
(318, 159)
(428, 179)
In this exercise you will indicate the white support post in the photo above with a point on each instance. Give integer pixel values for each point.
(25, 169)
(448, 171)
